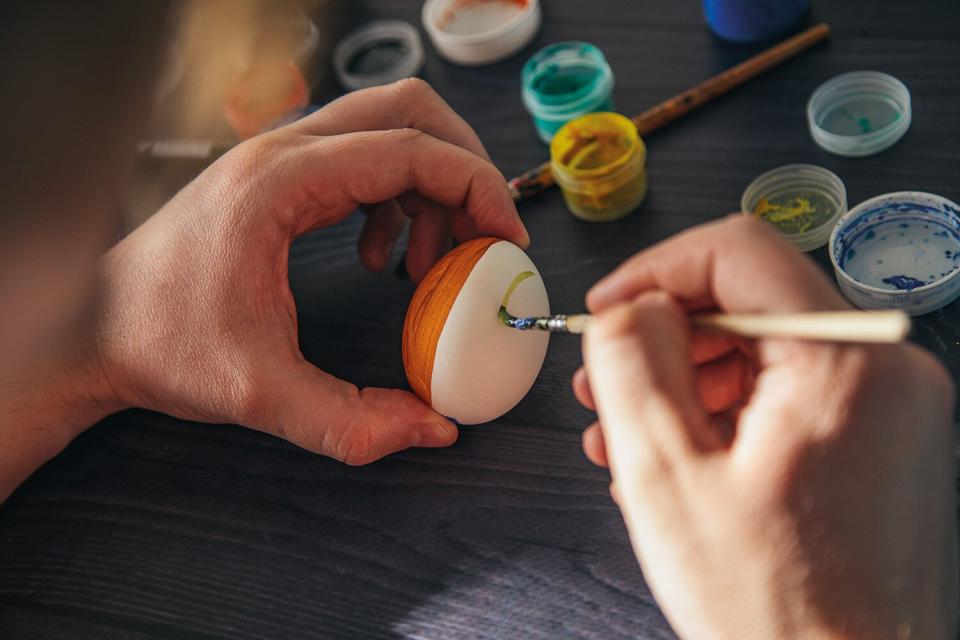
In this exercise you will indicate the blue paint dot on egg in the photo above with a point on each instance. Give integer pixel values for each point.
(904, 225)
(870, 235)
(851, 253)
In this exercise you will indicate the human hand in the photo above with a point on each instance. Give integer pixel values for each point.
(198, 318)
(776, 488)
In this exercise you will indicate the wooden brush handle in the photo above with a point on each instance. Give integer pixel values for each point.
(680, 105)
(830, 326)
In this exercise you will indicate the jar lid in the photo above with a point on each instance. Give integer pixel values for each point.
(859, 113)
(563, 78)
(899, 251)
(595, 145)
(469, 32)
(379, 52)
(803, 201)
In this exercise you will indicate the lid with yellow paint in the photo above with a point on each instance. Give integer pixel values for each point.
(803, 201)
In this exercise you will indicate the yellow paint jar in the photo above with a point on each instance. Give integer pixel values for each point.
(598, 160)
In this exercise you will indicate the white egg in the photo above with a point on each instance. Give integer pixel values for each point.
(480, 368)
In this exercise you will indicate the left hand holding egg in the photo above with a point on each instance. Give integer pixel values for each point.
(198, 319)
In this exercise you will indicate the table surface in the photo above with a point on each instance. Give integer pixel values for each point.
(150, 527)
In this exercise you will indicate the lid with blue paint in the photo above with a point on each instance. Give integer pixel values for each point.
(899, 251)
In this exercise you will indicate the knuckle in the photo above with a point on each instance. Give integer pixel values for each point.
(613, 324)
(413, 89)
(247, 397)
(408, 135)
(935, 377)
(739, 224)
(354, 447)
(650, 465)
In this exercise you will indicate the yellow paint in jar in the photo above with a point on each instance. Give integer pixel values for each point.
(598, 160)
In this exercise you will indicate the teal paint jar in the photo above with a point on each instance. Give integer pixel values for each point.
(564, 81)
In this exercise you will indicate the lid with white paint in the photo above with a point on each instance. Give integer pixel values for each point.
(477, 32)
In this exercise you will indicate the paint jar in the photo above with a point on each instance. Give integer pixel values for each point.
(476, 32)
(264, 93)
(377, 53)
(753, 20)
(802, 201)
(899, 251)
(564, 81)
(598, 160)
(859, 113)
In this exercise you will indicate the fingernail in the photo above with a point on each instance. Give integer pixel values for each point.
(436, 434)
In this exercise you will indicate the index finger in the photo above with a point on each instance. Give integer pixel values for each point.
(338, 175)
(737, 264)
(410, 103)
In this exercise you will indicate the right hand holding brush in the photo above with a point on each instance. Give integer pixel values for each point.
(776, 488)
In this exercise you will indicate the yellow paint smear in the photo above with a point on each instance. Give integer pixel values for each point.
(779, 213)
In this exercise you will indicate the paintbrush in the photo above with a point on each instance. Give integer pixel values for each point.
(831, 326)
(540, 178)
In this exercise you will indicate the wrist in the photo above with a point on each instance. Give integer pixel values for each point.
(46, 407)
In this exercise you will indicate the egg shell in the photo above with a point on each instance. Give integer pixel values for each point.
(458, 357)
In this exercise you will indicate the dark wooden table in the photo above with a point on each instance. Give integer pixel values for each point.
(150, 527)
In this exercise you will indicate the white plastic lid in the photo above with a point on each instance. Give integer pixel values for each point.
(379, 52)
(472, 33)
(859, 113)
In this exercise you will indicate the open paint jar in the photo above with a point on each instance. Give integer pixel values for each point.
(753, 20)
(859, 113)
(475, 32)
(802, 201)
(899, 251)
(264, 93)
(378, 53)
(564, 81)
(598, 160)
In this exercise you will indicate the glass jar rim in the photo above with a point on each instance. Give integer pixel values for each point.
(621, 124)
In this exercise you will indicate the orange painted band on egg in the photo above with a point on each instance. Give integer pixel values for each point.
(429, 309)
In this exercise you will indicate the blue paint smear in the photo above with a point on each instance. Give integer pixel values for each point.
(904, 283)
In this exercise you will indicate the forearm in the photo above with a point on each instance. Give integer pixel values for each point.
(44, 409)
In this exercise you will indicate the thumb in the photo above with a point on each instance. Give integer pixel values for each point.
(637, 357)
(322, 413)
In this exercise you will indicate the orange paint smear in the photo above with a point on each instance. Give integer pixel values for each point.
(429, 308)
(466, 4)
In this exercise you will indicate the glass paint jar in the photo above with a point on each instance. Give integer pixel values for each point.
(753, 20)
(599, 161)
(564, 81)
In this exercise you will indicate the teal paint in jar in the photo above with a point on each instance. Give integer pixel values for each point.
(564, 81)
